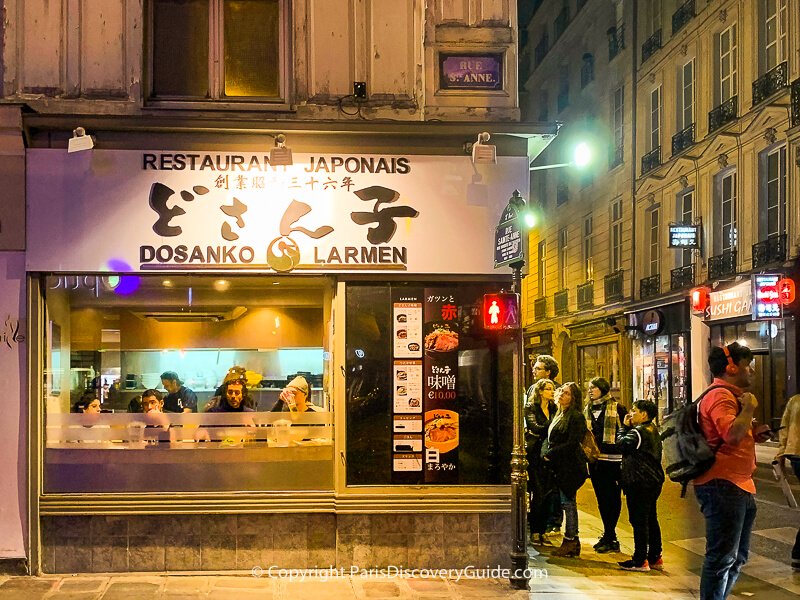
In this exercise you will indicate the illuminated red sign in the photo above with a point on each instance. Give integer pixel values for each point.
(786, 291)
(766, 297)
(699, 299)
(501, 311)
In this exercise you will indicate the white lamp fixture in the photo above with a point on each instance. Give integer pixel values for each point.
(280, 155)
(80, 141)
(482, 151)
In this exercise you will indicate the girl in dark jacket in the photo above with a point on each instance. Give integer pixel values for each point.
(539, 412)
(565, 455)
(642, 478)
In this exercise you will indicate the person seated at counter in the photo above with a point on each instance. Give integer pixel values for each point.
(179, 398)
(89, 403)
(235, 399)
(152, 401)
(294, 398)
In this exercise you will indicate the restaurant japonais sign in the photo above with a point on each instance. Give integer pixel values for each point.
(187, 211)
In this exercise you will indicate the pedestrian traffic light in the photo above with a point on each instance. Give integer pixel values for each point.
(500, 311)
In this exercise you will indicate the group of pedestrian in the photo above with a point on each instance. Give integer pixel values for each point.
(558, 423)
(629, 462)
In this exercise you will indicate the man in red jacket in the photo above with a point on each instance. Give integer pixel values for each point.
(726, 492)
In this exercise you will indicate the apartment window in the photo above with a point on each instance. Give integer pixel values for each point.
(587, 70)
(541, 257)
(588, 256)
(728, 82)
(544, 102)
(686, 96)
(563, 89)
(774, 32)
(772, 209)
(616, 235)
(725, 213)
(562, 258)
(618, 123)
(218, 50)
(686, 216)
(654, 123)
(654, 249)
(654, 22)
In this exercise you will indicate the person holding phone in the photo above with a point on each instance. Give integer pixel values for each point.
(294, 397)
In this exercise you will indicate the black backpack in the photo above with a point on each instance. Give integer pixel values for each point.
(687, 453)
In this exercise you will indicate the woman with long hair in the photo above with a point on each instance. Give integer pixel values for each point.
(564, 453)
(539, 412)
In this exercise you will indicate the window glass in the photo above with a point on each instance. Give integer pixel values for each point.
(180, 48)
(157, 383)
(251, 56)
(395, 376)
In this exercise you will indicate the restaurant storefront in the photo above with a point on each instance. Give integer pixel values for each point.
(661, 355)
(347, 269)
(731, 315)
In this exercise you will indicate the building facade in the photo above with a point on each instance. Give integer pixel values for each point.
(149, 152)
(708, 131)
(580, 279)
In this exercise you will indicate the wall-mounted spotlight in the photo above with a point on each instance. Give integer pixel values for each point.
(80, 141)
(280, 154)
(482, 151)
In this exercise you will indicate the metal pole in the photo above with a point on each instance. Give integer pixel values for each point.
(519, 460)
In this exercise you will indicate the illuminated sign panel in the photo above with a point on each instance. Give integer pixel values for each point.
(766, 297)
(684, 236)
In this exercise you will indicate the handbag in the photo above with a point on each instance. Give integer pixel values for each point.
(589, 446)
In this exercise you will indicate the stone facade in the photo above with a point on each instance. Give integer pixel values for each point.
(155, 543)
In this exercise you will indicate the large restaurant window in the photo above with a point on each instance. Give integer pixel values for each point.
(661, 371)
(427, 387)
(109, 341)
(218, 50)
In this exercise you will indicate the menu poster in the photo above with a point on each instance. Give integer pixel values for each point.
(407, 386)
(407, 323)
(441, 427)
(407, 442)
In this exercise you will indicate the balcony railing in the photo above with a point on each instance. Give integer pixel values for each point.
(723, 114)
(612, 286)
(795, 103)
(540, 309)
(682, 16)
(771, 250)
(616, 155)
(722, 265)
(682, 277)
(586, 295)
(561, 302)
(682, 140)
(651, 160)
(649, 287)
(771, 82)
(651, 45)
(616, 41)
(561, 22)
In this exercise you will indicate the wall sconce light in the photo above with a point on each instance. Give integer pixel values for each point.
(482, 151)
(80, 141)
(280, 155)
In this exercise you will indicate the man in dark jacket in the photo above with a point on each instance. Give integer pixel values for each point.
(179, 398)
(642, 478)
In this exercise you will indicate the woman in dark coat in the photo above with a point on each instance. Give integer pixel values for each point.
(539, 412)
(564, 453)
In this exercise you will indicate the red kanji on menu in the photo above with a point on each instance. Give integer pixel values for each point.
(449, 312)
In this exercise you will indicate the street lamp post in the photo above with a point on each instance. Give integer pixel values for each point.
(510, 242)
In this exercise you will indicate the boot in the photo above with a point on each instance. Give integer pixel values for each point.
(568, 548)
